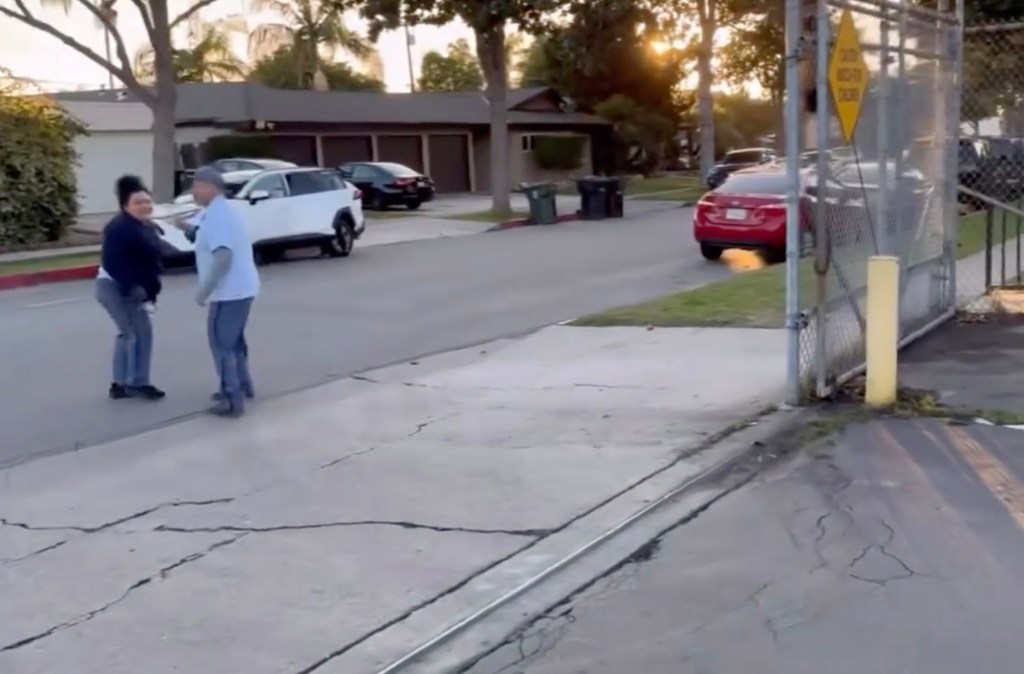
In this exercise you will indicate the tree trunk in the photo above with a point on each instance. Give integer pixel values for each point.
(164, 105)
(490, 48)
(705, 100)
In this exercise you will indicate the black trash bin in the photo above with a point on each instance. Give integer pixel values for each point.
(593, 197)
(541, 197)
(614, 194)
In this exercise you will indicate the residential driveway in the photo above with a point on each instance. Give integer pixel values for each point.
(318, 320)
(897, 550)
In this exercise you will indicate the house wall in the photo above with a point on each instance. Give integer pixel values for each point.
(522, 169)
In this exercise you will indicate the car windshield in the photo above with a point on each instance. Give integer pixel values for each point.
(754, 183)
(743, 157)
(397, 170)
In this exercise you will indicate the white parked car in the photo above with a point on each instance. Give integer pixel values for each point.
(283, 209)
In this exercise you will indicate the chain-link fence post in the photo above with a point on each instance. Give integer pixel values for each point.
(793, 225)
(821, 252)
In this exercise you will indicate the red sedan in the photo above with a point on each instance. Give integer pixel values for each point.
(747, 211)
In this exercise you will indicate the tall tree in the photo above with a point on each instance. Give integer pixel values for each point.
(458, 70)
(208, 58)
(756, 46)
(490, 21)
(161, 97)
(278, 71)
(314, 29)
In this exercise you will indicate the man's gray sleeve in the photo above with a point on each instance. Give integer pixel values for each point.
(221, 264)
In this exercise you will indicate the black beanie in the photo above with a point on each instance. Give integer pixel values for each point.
(126, 186)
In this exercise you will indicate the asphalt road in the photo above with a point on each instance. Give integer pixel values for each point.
(894, 550)
(320, 319)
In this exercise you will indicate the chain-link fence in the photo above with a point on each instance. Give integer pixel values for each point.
(883, 180)
(991, 162)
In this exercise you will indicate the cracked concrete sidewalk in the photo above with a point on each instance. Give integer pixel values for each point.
(326, 517)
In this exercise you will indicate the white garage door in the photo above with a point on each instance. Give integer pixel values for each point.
(105, 156)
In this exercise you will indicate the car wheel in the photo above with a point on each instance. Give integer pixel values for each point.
(340, 245)
(413, 205)
(710, 252)
(267, 255)
(775, 255)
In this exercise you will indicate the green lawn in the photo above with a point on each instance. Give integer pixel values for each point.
(754, 299)
(48, 263)
(486, 216)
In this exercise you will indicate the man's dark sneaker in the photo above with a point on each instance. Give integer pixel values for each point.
(218, 396)
(147, 392)
(119, 392)
(225, 408)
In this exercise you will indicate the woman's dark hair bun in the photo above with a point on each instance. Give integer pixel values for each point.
(126, 186)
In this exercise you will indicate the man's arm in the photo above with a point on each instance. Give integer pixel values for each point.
(221, 264)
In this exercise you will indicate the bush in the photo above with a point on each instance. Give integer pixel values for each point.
(558, 153)
(38, 191)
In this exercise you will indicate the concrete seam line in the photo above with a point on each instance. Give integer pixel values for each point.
(708, 473)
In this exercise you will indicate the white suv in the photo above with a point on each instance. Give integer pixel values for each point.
(283, 209)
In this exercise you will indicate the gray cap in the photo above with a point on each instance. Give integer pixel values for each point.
(209, 175)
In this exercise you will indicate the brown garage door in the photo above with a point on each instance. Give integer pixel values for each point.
(449, 162)
(298, 149)
(341, 149)
(405, 150)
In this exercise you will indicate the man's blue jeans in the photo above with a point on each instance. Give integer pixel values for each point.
(225, 327)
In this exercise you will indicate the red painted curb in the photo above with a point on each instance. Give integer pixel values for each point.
(36, 278)
(525, 222)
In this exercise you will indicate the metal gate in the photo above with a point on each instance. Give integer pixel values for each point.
(873, 102)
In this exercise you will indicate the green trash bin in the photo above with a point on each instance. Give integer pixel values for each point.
(593, 198)
(541, 197)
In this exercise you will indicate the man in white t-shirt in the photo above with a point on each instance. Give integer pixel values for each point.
(229, 282)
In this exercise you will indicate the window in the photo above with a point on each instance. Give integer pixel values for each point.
(363, 173)
(745, 157)
(272, 183)
(527, 143)
(398, 170)
(755, 183)
(302, 183)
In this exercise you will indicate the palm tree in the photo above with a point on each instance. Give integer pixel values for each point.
(209, 58)
(313, 29)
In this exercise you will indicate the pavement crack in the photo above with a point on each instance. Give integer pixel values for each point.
(34, 553)
(162, 574)
(529, 533)
(335, 462)
(109, 525)
(882, 548)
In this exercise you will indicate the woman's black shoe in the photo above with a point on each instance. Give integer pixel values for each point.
(119, 392)
(147, 392)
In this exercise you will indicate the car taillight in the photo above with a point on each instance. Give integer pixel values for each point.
(402, 182)
(357, 194)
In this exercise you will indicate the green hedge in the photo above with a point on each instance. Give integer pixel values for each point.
(558, 153)
(38, 191)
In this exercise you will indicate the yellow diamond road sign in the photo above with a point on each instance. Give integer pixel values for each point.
(847, 75)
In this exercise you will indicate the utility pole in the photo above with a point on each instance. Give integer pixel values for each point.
(410, 40)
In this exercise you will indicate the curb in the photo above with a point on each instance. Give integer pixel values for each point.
(525, 222)
(15, 281)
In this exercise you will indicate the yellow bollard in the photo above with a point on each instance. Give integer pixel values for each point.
(883, 330)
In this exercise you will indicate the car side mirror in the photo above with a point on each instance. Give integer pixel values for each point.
(257, 196)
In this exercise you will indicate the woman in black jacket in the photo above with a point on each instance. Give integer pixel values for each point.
(127, 286)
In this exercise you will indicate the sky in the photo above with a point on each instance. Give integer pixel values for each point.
(33, 54)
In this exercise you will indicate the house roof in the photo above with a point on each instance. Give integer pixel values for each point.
(240, 102)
